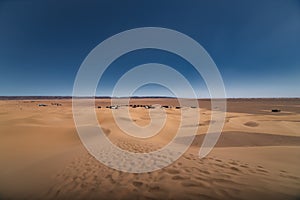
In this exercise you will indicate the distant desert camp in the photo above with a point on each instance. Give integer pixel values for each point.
(147, 107)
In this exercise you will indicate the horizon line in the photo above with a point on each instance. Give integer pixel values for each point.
(16, 97)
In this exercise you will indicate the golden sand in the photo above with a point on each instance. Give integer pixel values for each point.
(257, 155)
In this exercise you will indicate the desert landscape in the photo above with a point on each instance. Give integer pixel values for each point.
(141, 100)
(256, 156)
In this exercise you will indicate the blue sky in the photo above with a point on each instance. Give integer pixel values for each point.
(255, 44)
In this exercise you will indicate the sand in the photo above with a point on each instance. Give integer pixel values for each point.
(257, 155)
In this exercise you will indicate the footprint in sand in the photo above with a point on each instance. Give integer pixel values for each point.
(251, 124)
(191, 183)
(109, 177)
(153, 187)
(172, 171)
(234, 169)
(178, 178)
(137, 183)
(233, 163)
(261, 169)
(106, 131)
(283, 171)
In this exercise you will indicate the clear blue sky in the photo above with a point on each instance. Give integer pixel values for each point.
(255, 44)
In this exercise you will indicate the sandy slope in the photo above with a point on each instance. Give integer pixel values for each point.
(257, 155)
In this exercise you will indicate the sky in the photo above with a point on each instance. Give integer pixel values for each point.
(255, 44)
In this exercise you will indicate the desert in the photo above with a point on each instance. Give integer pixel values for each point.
(256, 156)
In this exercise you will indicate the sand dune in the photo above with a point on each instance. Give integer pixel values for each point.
(257, 155)
(245, 139)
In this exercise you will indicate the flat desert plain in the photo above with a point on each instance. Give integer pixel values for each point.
(256, 156)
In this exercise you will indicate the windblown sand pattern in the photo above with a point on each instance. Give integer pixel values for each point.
(257, 155)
